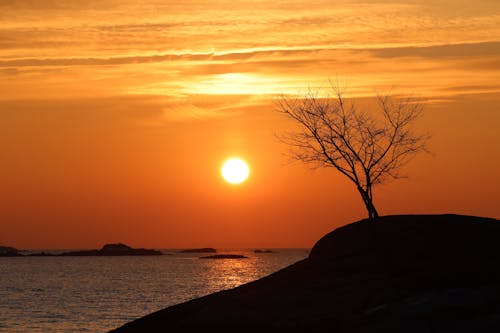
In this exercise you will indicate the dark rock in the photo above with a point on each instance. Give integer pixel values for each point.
(421, 249)
(114, 250)
(424, 273)
(41, 254)
(7, 251)
(82, 253)
(225, 256)
(264, 251)
(201, 250)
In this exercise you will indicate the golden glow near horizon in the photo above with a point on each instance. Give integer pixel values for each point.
(235, 84)
(112, 112)
(182, 49)
(235, 170)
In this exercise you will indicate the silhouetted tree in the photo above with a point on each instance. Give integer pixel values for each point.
(368, 147)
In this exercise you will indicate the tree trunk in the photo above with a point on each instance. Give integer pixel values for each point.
(368, 201)
(373, 210)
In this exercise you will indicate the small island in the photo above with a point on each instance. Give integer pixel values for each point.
(264, 251)
(117, 249)
(200, 250)
(225, 256)
(41, 254)
(8, 251)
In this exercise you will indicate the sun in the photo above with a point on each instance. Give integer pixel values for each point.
(235, 170)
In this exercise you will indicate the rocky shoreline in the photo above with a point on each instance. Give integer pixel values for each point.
(412, 273)
(117, 249)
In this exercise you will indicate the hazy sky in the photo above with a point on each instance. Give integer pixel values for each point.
(115, 116)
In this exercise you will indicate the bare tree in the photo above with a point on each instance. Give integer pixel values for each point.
(369, 148)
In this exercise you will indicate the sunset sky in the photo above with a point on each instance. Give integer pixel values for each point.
(116, 116)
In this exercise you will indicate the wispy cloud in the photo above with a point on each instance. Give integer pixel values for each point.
(440, 51)
(58, 49)
(34, 62)
(276, 55)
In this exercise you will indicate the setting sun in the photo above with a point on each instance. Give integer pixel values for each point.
(235, 171)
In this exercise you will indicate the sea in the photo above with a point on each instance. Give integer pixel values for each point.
(97, 294)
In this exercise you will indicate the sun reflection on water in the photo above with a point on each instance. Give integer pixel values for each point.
(229, 273)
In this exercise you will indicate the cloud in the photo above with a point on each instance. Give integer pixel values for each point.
(441, 51)
(9, 71)
(122, 111)
(474, 88)
(53, 49)
(426, 69)
(275, 56)
(33, 62)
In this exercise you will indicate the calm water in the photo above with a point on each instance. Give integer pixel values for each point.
(96, 294)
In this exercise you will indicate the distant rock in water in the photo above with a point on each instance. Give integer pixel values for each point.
(225, 256)
(401, 274)
(41, 254)
(264, 251)
(200, 250)
(118, 249)
(7, 251)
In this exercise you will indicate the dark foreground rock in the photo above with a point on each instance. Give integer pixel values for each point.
(114, 250)
(402, 274)
(225, 256)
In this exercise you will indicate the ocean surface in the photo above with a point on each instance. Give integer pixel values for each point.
(97, 294)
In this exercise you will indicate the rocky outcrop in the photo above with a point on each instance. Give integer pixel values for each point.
(41, 254)
(264, 251)
(118, 249)
(225, 256)
(420, 273)
(7, 251)
(200, 250)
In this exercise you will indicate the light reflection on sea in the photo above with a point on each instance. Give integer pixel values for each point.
(96, 294)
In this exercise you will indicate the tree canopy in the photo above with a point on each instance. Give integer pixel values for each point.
(368, 146)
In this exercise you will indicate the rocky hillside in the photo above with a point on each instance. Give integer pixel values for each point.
(415, 273)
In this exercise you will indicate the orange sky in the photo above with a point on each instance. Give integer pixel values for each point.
(115, 116)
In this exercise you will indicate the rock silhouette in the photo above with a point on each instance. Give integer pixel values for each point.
(118, 249)
(200, 250)
(225, 256)
(264, 251)
(7, 251)
(413, 273)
